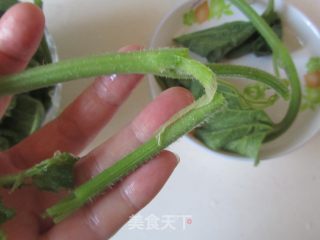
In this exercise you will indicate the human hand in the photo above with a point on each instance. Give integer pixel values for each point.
(71, 132)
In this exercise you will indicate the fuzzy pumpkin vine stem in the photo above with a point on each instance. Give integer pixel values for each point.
(174, 63)
(282, 59)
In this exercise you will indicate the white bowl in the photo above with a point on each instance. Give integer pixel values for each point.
(301, 37)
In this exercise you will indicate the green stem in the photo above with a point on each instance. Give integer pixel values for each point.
(284, 59)
(178, 125)
(129, 163)
(173, 63)
(167, 62)
(14, 181)
(228, 70)
(162, 62)
(9, 181)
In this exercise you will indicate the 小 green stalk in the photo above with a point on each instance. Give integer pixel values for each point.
(283, 60)
(129, 163)
(163, 64)
(237, 71)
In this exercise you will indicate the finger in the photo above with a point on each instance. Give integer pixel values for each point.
(80, 122)
(141, 129)
(102, 218)
(21, 29)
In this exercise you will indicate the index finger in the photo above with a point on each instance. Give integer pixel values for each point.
(21, 29)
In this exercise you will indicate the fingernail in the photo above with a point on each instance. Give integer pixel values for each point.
(177, 157)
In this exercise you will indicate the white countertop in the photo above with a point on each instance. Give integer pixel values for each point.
(225, 200)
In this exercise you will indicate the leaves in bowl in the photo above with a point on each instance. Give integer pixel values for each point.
(237, 127)
(21, 120)
(232, 39)
(234, 127)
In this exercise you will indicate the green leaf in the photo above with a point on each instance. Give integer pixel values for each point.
(232, 39)
(5, 4)
(51, 174)
(39, 3)
(7, 138)
(5, 213)
(24, 119)
(189, 18)
(313, 64)
(311, 99)
(256, 44)
(235, 128)
(215, 43)
(218, 8)
(248, 144)
(55, 173)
